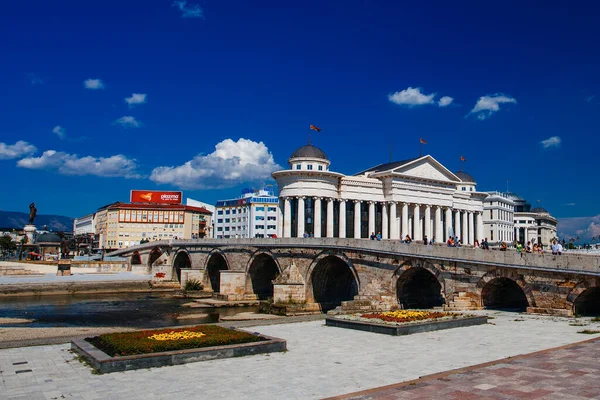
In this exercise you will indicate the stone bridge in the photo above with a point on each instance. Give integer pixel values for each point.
(319, 274)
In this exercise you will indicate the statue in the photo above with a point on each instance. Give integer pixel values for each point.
(32, 213)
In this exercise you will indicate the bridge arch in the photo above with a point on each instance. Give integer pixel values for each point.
(584, 298)
(136, 259)
(215, 263)
(331, 279)
(419, 284)
(262, 268)
(505, 289)
(155, 253)
(182, 260)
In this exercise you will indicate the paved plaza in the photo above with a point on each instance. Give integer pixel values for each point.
(321, 362)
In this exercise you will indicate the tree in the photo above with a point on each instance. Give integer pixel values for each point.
(7, 244)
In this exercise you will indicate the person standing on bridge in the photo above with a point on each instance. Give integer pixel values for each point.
(372, 237)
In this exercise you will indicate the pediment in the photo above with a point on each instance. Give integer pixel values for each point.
(427, 168)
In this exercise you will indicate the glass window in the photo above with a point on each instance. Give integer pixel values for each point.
(310, 167)
(227, 212)
(320, 168)
(272, 208)
(260, 209)
(226, 219)
(220, 212)
(260, 218)
(234, 211)
(219, 229)
(298, 166)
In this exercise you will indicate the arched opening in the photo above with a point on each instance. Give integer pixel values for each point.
(154, 254)
(419, 288)
(262, 272)
(504, 294)
(182, 261)
(333, 282)
(588, 303)
(136, 259)
(215, 265)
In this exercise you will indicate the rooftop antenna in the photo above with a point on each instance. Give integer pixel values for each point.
(507, 186)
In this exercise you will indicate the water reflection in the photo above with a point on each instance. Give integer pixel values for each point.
(136, 310)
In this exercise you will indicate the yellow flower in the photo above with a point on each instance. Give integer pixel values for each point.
(181, 335)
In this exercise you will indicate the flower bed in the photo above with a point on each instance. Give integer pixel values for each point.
(404, 322)
(143, 342)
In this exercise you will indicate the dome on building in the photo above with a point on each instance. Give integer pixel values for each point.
(48, 238)
(514, 196)
(465, 177)
(539, 210)
(309, 151)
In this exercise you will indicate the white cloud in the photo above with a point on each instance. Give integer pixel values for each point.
(553, 141)
(230, 164)
(128, 122)
(59, 131)
(34, 79)
(411, 97)
(584, 227)
(136, 98)
(71, 164)
(19, 149)
(93, 84)
(445, 101)
(189, 11)
(488, 105)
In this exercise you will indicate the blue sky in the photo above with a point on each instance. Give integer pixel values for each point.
(97, 98)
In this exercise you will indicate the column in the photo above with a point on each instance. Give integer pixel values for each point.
(372, 217)
(384, 221)
(287, 218)
(480, 233)
(342, 221)
(448, 224)
(280, 219)
(394, 234)
(465, 228)
(317, 215)
(404, 221)
(356, 219)
(428, 222)
(300, 214)
(439, 229)
(457, 223)
(330, 218)
(471, 228)
(417, 222)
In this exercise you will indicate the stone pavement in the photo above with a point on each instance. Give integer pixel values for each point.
(567, 372)
(321, 361)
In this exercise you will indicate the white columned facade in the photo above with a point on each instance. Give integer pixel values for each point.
(457, 223)
(371, 217)
(317, 215)
(404, 221)
(342, 221)
(428, 222)
(356, 219)
(448, 224)
(417, 222)
(329, 218)
(280, 219)
(480, 233)
(384, 221)
(439, 229)
(300, 216)
(287, 218)
(465, 228)
(394, 234)
(471, 229)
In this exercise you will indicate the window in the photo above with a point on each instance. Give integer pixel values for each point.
(220, 212)
(320, 168)
(227, 228)
(260, 209)
(298, 166)
(259, 218)
(464, 189)
(219, 229)
(227, 212)
(309, 167)
(271, 218)
(220, 220)
(259, 227)
(272, 209)
(233, 211)
(226, 219)
(271, 227)
(491, 214)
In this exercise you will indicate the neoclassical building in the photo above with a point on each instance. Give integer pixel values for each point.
(417, 197)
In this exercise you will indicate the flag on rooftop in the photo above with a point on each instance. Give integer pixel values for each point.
(422, 141)
(315, 128)
(462, 158)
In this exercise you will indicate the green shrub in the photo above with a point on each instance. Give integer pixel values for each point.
(193, 284)
(130, 343)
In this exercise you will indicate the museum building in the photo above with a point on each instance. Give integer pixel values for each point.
(417, 197)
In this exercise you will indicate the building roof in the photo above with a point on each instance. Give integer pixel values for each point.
(309, 151)
(387, 166)
(539, 210)
(173, 207)
(514, 196)
(48, 238)
(464, 176)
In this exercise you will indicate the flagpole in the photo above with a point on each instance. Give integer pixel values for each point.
(420, 148)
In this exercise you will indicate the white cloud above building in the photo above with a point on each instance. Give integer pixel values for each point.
(486, 106)
(128, 122)
(412, 97)
(232, 163)
(17, 150)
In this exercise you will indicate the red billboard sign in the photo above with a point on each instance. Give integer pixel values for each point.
(155, 196)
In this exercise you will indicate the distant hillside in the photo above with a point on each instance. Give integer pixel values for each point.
(17, 220)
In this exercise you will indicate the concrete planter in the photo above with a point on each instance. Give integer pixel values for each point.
(104, 363)
(408, 329)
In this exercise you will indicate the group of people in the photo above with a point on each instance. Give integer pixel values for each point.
(374, 236)
(484, 245)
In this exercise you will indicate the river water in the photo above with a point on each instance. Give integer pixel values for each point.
(135, 310)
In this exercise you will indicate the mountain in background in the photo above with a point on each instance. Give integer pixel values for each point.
(17, 220)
